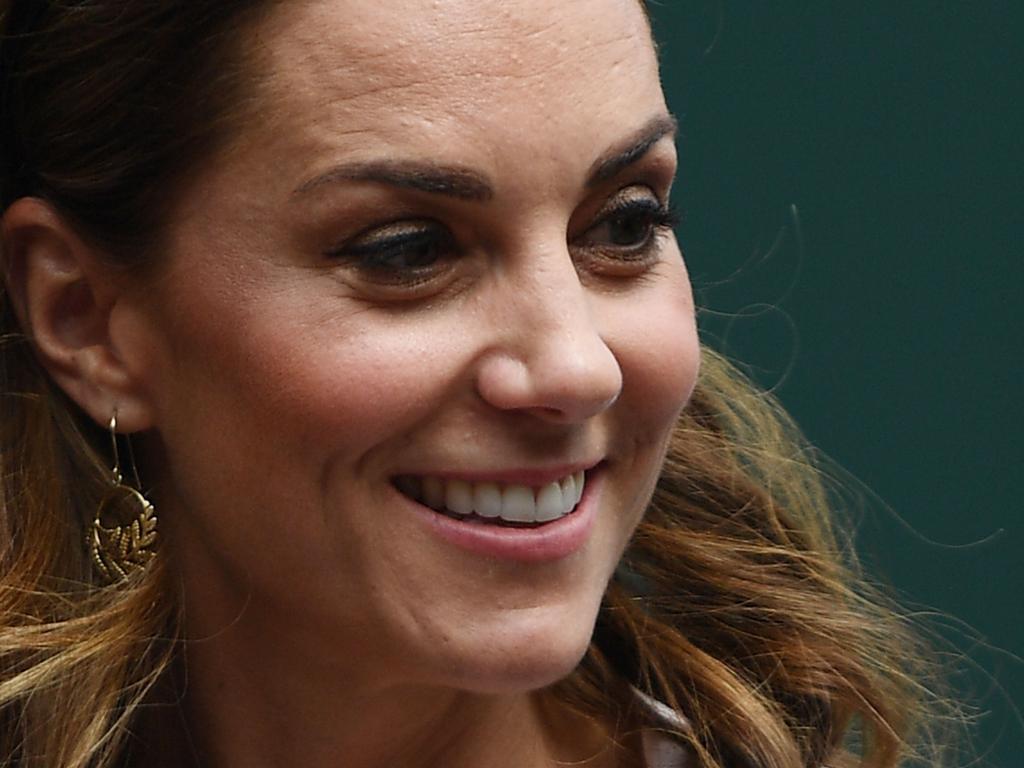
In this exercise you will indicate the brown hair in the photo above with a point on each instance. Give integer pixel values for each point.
(734, 604)
(739, 605)
(104, 106)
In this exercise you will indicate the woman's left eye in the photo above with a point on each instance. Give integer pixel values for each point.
(627, 230)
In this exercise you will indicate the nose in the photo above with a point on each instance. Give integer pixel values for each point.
(550, 358)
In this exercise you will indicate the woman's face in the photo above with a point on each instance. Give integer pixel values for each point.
(433, 266)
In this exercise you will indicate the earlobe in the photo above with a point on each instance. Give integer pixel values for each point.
(62, 296)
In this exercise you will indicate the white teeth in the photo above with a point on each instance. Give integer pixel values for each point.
(568, 486)
(518, 505)
(513, 503)
(550, 505)
(487, 500)
(458, 497)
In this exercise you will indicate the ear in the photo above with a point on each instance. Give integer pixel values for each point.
(63, 296)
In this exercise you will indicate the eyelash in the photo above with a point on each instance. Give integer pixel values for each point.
(373, 255)
(655, 219)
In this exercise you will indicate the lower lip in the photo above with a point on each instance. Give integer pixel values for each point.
(552, 541)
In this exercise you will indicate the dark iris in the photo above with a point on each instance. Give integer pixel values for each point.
(409, 250)
(629, 228)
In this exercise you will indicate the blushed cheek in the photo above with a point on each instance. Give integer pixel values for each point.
(657, 346)
(350, 390)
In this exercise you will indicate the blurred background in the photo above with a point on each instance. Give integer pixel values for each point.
(851, 191)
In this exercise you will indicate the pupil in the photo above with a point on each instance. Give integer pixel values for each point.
(417, 251)
(421, 254)
(628, 230)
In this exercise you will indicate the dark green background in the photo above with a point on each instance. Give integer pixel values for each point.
(892, 330)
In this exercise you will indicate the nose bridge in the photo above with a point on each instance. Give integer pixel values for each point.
(551, 357)
(557, 316)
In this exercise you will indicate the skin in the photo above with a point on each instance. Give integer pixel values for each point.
(283, 389)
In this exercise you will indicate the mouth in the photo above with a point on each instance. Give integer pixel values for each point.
(510, 505)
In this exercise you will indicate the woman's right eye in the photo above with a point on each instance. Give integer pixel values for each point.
(407, 253)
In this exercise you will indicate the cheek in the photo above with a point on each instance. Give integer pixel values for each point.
(277, 435)
(654, 338)
(304, 399)
(368, 380)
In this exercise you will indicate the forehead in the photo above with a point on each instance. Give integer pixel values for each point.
(409, 42)
(362, 74)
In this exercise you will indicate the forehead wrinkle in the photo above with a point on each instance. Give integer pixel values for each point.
(548, 57)
(383, 85)
(448, 44)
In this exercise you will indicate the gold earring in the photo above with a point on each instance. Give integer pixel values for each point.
(120, 548)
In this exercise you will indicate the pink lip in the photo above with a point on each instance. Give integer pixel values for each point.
(551, 541)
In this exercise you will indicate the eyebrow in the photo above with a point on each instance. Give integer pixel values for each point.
(620, 157)
(466, 184)
(450, 181)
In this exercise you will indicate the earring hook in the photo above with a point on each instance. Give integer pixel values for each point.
(116, 471)
(118, 475)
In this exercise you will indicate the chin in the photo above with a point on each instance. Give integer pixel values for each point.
(525, 659)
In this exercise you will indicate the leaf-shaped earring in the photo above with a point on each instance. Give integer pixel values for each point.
(121, 546)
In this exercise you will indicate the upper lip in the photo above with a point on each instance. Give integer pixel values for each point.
(536, 476)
